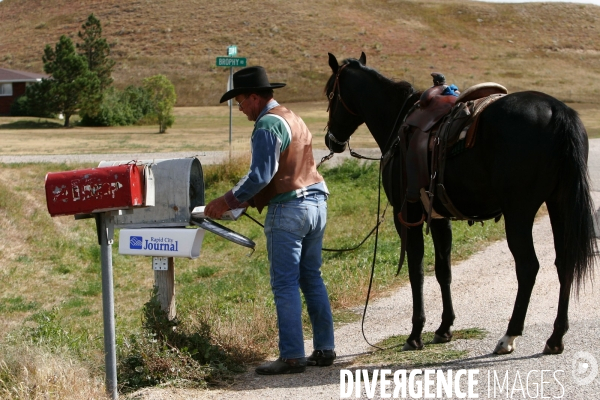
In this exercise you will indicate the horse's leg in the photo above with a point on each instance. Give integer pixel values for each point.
(414, 256)
(554, 345)
(519, 224)
(441, 233)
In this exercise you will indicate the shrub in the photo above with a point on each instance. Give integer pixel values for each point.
(163, 98)
(22, 107)
(120, 108)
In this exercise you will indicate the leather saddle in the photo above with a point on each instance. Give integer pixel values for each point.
(437, 112)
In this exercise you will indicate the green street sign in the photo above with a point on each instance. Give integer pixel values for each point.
(231, 62)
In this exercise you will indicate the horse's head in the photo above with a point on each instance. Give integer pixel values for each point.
(344, 115)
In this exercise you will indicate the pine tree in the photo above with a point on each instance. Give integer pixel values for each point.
(72, 85)
(96, 51)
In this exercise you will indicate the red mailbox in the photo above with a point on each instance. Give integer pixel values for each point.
(94, 190)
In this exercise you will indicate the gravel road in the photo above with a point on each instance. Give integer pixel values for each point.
(484, 289)
(205, 157)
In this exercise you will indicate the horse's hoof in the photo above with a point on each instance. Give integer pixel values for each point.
(412, 346)
(437, 339)
(553, 349)
(506, 345)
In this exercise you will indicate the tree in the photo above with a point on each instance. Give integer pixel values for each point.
(96, 51)
(162, 97)
(71, 86)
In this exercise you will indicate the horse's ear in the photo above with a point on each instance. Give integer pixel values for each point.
(363, 58)
(333, 63)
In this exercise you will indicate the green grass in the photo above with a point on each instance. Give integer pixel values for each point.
(431, 354)
(51, 291)
(31, 124)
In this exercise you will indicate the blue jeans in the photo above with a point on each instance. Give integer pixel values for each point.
(294, 232)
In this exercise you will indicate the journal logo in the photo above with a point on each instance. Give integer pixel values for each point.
(135, 242)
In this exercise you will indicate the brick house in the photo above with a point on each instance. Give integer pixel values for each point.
(12, 85)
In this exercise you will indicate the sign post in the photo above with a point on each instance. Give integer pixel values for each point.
(231, 61)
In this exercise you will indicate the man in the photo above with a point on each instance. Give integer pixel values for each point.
(283, 176)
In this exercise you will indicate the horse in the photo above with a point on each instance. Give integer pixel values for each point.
(530, 149)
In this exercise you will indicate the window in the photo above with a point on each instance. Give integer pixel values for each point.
(6, 89)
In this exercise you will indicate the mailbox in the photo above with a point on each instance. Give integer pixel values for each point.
(179, 188)
(94, 190)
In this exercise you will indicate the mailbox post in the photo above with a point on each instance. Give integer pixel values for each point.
(105, 224)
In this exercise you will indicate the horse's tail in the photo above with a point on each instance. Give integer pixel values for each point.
(574, 196)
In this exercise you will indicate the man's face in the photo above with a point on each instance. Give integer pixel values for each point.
(247, 105)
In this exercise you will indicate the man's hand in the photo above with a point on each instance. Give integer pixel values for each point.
(216, 208)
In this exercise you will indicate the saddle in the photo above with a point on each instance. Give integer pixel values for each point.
(433, 125)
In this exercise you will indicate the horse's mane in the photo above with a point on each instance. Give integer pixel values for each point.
(401, 85)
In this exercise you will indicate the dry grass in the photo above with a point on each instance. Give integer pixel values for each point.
(196, 129)
(32, 373)
(552, 47)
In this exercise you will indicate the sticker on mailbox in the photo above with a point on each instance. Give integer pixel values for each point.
(161, 242)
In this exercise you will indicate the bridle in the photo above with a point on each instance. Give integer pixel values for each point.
(335, 90)
(336, 86)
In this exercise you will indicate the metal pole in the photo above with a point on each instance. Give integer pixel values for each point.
(230, 109)
(105, 237)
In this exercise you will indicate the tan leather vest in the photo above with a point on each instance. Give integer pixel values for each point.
(297, 167)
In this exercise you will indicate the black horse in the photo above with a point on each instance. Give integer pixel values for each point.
(530, 149)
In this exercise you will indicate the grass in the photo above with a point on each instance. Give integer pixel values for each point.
(431, 354)
(196, 129)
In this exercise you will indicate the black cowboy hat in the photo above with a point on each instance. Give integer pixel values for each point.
(249, 79)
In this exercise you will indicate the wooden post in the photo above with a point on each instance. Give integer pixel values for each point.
(164, 280)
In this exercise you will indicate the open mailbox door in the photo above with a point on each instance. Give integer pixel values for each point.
(217, 229)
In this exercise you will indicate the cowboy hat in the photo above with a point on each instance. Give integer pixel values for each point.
(248, 80)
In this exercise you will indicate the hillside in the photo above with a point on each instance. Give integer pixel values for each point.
(552, 47)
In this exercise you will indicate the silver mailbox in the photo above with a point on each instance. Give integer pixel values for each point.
(179, 188)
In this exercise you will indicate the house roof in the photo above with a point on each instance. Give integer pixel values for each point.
(11, 75)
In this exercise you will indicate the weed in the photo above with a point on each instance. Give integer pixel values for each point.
(171, 353)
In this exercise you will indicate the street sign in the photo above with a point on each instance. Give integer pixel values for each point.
(231, 61)
(232, 51)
